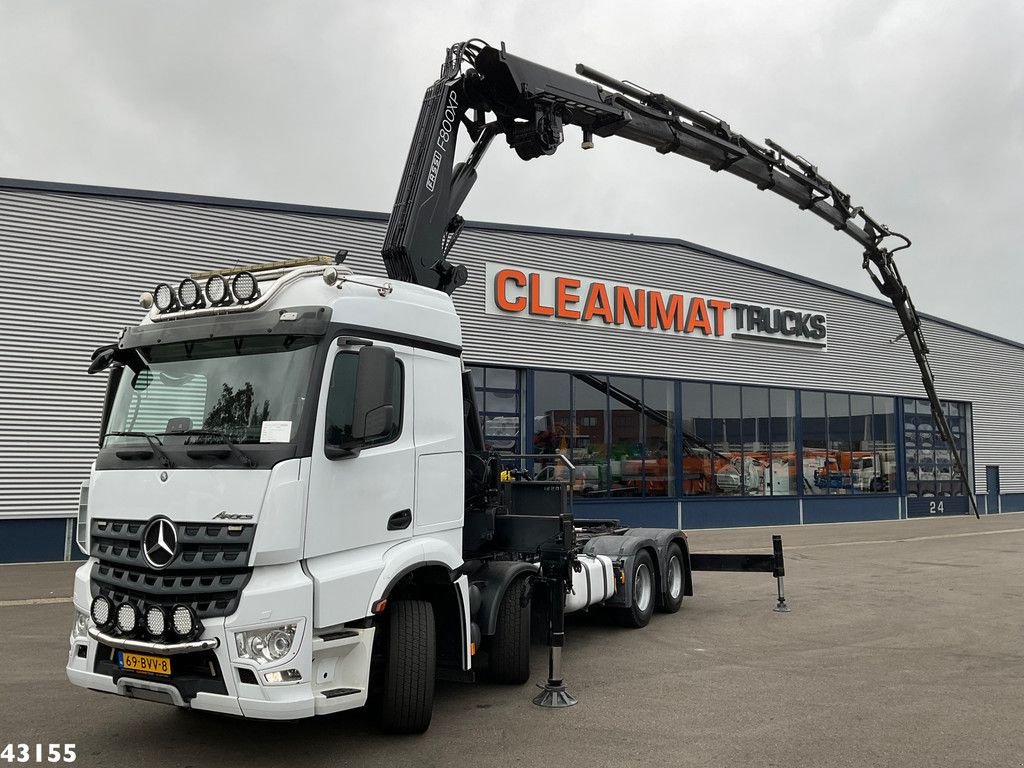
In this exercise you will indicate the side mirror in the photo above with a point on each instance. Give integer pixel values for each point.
(373, 414)
(102, 358)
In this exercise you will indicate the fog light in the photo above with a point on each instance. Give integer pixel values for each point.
(217, 290)
(183, 620)
(102, 612)
(244, 287)
(80, 627)
(127, 618)
(163, 298)
(284, 676)
(189, 295)
(156, 621)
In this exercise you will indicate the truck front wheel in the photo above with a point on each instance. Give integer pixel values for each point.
(509, 655)
(407, 687)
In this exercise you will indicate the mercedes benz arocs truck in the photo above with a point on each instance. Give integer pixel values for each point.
(292, 511)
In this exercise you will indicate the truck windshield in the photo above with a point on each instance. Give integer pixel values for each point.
(241, 389)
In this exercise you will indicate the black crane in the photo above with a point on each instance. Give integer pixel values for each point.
(530, 104)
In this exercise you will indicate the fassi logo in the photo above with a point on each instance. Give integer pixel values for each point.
(542, 294)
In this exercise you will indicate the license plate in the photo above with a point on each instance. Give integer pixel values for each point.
(138, 662)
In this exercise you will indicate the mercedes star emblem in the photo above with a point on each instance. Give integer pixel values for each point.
(160, 542)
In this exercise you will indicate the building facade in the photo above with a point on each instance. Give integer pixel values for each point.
(687, 386)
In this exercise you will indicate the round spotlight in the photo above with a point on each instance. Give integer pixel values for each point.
(102, 612)
(127, 618)
(189, 294)
(164, 298)
(244, 287)
(183, 620)
(156, 621)
(217, 290)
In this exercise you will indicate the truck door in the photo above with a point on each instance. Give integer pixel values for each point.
(364, 500)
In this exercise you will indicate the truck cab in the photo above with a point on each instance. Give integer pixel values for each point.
(235, 498)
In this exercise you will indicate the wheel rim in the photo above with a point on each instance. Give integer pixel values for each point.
(643, 587)
(675, 578)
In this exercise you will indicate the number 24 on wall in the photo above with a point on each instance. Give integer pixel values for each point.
(934, 507)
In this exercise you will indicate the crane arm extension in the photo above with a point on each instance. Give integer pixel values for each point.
(531, 104)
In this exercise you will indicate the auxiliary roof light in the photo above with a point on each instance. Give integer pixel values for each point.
(156, 621)
(183, 620)
(244, 286)
(127, 618)
(145, 299)
(217, 290)
(189, 294)
(164, 298)
(102, 612)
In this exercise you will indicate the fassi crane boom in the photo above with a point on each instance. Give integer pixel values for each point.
(530, 105)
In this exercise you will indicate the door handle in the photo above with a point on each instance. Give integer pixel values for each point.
(400, 520)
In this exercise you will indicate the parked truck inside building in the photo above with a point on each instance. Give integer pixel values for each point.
(292, 512)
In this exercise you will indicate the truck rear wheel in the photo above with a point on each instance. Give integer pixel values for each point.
(675, 581)
(407, 690)
(638, 614)
(510, 647)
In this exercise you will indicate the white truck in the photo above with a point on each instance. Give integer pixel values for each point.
(292, 512)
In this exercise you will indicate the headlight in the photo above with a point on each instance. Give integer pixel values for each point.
(265, 645)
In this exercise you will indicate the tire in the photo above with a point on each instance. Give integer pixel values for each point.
(509, 655)
(638, 614)
(407, 685)
(675, 581)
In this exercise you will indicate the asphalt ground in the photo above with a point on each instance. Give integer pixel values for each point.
(904, 647)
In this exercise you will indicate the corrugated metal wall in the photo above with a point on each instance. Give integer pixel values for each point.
(73, 264)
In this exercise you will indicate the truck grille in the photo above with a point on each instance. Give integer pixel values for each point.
(208, 571)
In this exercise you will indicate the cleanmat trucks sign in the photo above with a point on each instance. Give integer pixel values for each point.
(574, 299)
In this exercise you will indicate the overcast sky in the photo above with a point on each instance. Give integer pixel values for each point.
(915, 107)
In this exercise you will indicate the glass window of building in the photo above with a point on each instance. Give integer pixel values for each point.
(756, 458)
(626, 444)
(698, 450)
(588, 439)
(552, 408)
(815, 442)
(783, 473)
(658, 438)
(735, 443)
(931, 465)
(497, 400)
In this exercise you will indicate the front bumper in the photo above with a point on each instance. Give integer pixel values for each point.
(233, 685)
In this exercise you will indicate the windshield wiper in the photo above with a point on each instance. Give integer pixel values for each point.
(223, 437)
(141, 453)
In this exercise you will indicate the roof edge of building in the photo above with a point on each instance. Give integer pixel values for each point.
(318, 210)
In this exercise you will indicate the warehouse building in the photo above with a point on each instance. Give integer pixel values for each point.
(689, 387)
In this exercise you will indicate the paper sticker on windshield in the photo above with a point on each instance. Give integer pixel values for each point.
(276, 432)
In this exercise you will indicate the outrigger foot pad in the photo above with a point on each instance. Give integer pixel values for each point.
(554, 697)
(781, 607)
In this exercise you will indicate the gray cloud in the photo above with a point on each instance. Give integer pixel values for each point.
(915, 108)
